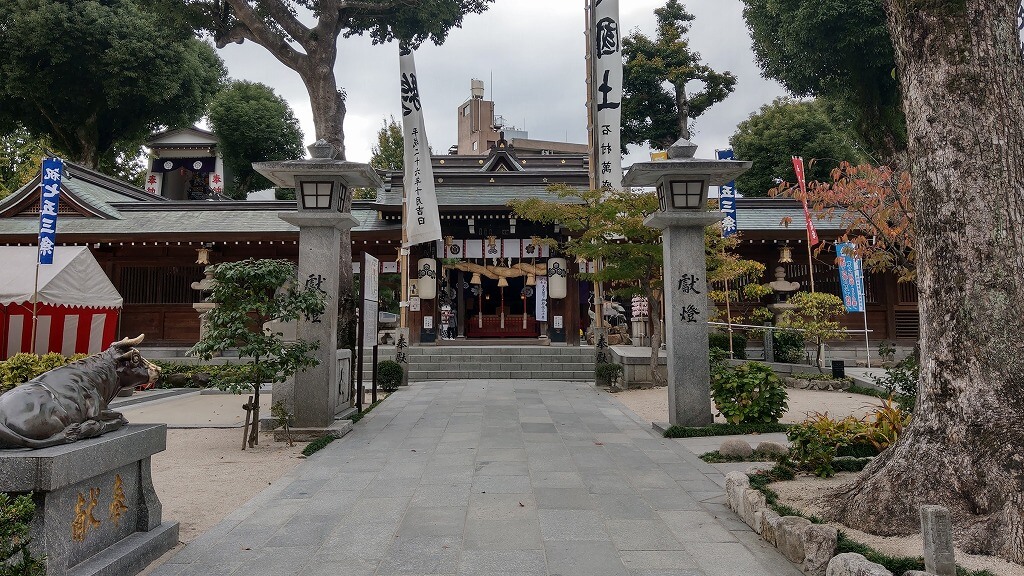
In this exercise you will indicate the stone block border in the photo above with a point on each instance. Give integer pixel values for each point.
(811, 546)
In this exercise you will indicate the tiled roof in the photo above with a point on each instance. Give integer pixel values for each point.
(764, 215)
(216, 220)
(478, 195)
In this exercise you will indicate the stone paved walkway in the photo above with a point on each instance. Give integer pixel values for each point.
(489, 478)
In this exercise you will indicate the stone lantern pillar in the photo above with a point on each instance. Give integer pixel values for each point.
(682, 184)
(323, 187)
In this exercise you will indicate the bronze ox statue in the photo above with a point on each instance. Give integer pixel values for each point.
(69, 403)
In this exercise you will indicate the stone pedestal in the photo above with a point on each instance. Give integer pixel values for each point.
(97, 512)
(686, 314)
(316, 390)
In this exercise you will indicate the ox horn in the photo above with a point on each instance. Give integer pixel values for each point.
(127, 342)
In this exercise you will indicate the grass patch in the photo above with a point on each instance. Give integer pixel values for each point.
(317, 445)
(359, 415)
(716, 457)
(725, 430)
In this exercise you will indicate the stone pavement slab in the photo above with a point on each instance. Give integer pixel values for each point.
(489, 478)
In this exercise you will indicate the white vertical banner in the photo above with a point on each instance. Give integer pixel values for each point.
(606, 51)
(541, 310)
(422, 222)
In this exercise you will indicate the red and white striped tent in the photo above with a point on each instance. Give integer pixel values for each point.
(78, 308)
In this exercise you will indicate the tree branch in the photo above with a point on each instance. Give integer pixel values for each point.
(260, 33)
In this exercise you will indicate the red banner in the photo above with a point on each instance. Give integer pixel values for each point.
(798, 168)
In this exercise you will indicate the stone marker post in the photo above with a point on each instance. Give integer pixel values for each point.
(323, 194)
(682, 184)
(937, 533)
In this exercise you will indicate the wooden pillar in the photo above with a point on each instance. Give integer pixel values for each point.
(571, 304)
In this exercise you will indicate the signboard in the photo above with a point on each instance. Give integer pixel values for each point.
(557, 323)
(851, 277)
(428, 322)
(48, 202)
(541, 310)
(414, 304)
(371, 282)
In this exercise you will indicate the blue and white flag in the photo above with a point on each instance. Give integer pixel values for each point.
(727, 200)
(421, 219)
(851, 277)
(48, 203)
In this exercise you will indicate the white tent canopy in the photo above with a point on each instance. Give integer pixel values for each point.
(74, 279)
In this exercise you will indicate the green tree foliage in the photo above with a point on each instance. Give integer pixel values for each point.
(250, 293)
(656, 106)
(785, 128)
(254, 125)
(817, 314)
(387, 154)
(610, 227)
(836, 49)
(88, 74)
(389, 151)
(21, 155)
(15, 514)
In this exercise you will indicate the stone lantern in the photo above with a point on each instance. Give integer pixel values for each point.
(682, 184)
(323, 187)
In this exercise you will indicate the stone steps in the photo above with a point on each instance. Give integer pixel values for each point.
(501, 362)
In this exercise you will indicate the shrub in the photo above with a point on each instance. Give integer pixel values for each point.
(720, 340)
(216, 375)
(23, 367)
(15, 515)
(607, 373)
(900, 381)
(885, 425)
(750, 392)
(389, 375)
(817, 441)
(788, 346)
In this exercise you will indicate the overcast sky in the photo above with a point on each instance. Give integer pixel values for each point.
(530, 54)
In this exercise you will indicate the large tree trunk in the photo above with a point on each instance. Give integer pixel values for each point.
(328, 105)
(963, 85)
(683, 108)
(654, 315)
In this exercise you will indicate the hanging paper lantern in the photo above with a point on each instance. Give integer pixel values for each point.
(558, 273)
(426, 272)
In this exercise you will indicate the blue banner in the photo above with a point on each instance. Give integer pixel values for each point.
(727, 200)
(851, 277)
(48, 202)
